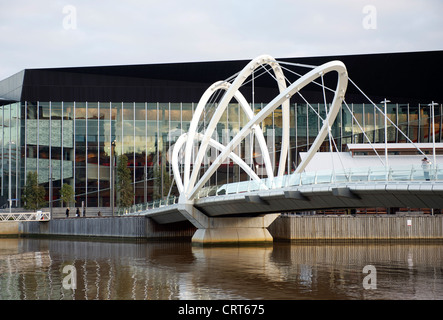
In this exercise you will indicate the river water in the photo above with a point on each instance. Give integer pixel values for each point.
(43, 269)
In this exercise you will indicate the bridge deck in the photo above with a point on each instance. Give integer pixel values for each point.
(399, 187)
(424, 194)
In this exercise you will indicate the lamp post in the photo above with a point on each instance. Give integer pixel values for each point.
(9, 178)
(51, 195)
(386, 131)
(431, 105)
(112, 175)
(145, 184)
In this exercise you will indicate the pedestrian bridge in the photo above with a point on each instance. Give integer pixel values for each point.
(242, 211)
(400, 187)
(25, 216)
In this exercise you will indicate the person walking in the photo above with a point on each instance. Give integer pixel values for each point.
(426, 165)
(77, 213)
(67, 212)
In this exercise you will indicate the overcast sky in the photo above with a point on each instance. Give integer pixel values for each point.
(43, 33)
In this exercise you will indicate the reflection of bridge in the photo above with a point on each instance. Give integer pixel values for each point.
(242, 211)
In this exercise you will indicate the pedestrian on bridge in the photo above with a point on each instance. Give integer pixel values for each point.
(426, 165)
(67, 212)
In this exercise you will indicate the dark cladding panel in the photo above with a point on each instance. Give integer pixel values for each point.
(400, 77)
(411, 77)
(46, 85)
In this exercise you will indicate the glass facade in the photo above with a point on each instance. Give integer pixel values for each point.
(70, 142)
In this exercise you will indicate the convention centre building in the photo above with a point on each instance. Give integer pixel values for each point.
(67, 123)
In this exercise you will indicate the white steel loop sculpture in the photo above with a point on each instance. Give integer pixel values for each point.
(189, 186)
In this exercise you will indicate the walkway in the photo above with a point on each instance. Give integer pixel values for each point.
(352, 188)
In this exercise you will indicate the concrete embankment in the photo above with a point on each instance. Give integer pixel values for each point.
(357, 228)
(285, 228)
(9, 228)
(104, 227)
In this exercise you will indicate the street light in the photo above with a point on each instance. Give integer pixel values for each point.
(50, 190)
(10, 173)
(386, 130)
(431, 105)
(112, 175)
(145, 183)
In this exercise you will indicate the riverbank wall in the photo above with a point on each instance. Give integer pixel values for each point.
(121, 227)
(9, 229)
(294, 228)
(299, 228)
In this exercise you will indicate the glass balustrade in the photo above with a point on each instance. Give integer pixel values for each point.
(363, 175)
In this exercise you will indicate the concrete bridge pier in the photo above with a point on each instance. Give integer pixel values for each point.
(241, 230)
(228, 230)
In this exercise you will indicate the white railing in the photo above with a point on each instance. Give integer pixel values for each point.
(25, 216)
(365, 175)
(141, 207)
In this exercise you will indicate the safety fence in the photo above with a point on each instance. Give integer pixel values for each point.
(25, 216)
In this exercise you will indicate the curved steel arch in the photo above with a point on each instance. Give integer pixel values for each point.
(233, 88)
(213, 143)
(190, 187)
(220, 85)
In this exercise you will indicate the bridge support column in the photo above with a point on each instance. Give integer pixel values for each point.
(227, 230)
(238, 230)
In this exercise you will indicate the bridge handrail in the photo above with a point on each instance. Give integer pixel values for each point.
(140, 207)
(24, 216)
(356, 174)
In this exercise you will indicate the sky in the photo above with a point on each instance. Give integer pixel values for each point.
(71, 33)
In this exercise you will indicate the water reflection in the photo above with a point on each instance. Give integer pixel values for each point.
(32, 269)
